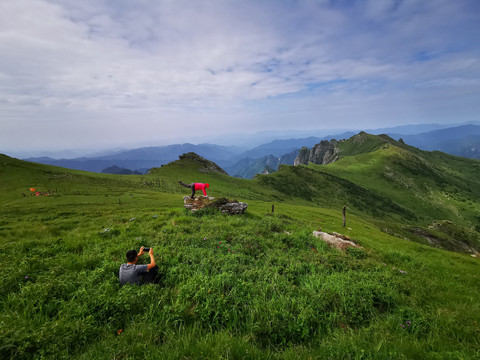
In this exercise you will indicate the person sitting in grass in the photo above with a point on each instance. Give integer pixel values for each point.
(195, 186)
(131, 273)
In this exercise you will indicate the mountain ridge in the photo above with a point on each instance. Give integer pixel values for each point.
(231, 157)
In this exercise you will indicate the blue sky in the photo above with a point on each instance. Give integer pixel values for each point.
(102, 73)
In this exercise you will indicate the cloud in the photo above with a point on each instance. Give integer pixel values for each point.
(92, 64)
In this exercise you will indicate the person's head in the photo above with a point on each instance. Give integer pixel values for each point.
(207, 185)
(131, 255)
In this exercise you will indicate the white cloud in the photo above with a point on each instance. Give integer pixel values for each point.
(92, 64)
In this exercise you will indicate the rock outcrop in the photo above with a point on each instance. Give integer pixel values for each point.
(336, 240)
(197, 202)
(325, 152)
(226, 206)
(233, 208)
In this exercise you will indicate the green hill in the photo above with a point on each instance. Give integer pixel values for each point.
(430, 197)
(255, 286)
(443, 191)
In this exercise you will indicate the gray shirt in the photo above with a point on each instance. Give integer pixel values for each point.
(131, 274)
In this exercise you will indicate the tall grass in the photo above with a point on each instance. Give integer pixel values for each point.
(251, 286)
(255, 286)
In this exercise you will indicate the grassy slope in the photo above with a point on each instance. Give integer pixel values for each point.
(429, 197)
(442, 191)
(283, 294)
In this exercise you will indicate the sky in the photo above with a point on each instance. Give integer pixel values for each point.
(98, 74)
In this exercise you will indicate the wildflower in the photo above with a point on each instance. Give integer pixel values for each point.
(220, 242)
(26, 277)
(205, 238)
(155, 216)
(119, 331)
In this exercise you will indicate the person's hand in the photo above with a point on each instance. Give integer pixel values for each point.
(151, 251)
(141, 251)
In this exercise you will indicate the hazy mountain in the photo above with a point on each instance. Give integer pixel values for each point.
(119, 171)
(143, 159)
(408, 129)
(281, 147)
(247, 168)
(284, 151)
(461, 140)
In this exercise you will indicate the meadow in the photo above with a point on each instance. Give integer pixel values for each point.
(254, 286)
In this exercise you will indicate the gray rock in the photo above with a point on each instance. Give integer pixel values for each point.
(335, 240)
(325, 152)
(226, 207)
(234, 208)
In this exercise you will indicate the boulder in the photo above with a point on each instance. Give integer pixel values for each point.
(226, 206)
(233, 208)
(197, 202)
(335, 240)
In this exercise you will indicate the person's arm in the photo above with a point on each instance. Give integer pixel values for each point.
(141, 252)
(152, 260)
(204, 192)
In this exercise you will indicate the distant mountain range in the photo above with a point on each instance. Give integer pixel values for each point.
(143, 159)
(461, 141)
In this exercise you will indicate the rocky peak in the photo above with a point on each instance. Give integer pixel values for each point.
(325, 152)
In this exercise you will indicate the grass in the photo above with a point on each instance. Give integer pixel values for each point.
(256, 286)
(430, 188)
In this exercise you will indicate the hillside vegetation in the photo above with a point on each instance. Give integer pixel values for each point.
(255, 286)
(431, 197)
